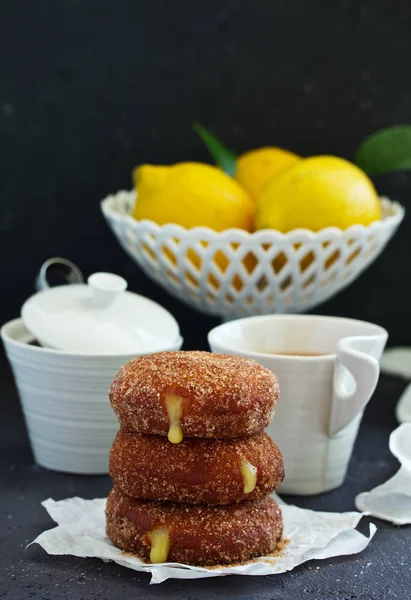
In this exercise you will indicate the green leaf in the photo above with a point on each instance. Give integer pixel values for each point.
(223, 156)
(386, 150)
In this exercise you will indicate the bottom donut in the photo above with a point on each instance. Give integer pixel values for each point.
(197, 535)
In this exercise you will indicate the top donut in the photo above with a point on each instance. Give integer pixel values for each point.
(194, 394)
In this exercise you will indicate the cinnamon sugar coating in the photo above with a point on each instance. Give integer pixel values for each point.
(199, 535)
(224, 396)
(197, 471)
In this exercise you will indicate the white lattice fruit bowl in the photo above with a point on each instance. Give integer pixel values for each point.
(234, 273)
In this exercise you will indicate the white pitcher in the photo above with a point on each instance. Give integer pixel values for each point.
(328, 369)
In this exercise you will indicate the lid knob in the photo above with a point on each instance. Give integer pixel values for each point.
(105, 288)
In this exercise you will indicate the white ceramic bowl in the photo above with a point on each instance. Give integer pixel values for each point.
(70, 422)
(234, 273)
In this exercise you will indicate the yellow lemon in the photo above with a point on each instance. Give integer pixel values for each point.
(257, 167)
(150, 178)
(318, 192)
(191, 195)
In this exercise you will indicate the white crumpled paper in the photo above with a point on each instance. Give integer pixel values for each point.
(396, 361)
(80, 532)
(391, 500)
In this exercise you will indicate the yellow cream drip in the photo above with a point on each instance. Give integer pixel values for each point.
(174, 405)
(249, 473)
(160, 544)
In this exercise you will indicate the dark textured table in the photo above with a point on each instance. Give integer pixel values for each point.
(382, 571)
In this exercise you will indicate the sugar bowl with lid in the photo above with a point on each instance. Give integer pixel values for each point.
(64, 352)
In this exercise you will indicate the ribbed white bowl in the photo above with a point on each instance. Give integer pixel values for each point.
(64, 397)
(234, 273)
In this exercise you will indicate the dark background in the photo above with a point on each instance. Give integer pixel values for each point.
(88, 89)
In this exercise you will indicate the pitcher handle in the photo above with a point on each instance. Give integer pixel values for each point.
(356, 376)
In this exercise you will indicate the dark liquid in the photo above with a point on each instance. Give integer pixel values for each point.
(300, 353)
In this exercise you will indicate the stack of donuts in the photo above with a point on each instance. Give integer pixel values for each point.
(191, 465)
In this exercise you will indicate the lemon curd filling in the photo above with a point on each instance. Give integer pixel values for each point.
(174, 405)
(249, 474)
(160, 544)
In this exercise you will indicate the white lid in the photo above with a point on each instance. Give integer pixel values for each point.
(99, 318)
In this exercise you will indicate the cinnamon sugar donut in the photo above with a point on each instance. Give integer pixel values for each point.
(197, 535)
(197, 471)
(194, 394)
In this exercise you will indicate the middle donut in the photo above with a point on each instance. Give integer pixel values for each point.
(196, 471)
